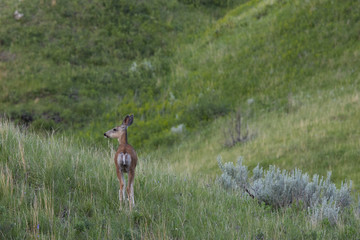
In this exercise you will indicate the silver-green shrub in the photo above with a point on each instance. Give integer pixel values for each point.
(281, 188)
(328, 209)
(233, 177)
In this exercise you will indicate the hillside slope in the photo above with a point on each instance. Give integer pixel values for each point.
(80, 67)
(321, 135)
(262, 51)
(292, 68)
(53, 188)
(268, 50)
(66, 64)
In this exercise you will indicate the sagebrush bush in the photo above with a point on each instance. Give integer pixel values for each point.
(326, 210)
(281, 188)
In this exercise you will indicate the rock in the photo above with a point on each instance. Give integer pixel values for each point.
(18, 15)
(179, 129)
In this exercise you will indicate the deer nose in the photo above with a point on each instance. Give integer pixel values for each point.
(105, 135)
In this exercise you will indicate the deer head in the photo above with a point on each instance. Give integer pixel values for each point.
(120, 132)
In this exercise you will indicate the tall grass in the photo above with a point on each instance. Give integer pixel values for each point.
(53, 188)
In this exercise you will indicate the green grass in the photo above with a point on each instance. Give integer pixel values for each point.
(73, 65)
(319, 134)
(190, 67)
(298, 62)
(286, 51)
(262, 50)
(78, 68)
(54, 188)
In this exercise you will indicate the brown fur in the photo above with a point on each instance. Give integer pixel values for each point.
(120, 133)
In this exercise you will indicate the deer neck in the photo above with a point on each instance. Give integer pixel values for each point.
(123, 138)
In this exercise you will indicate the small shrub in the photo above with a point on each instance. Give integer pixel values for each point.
(327, 210)
(233, 177)
(280, 188)
(206, 107)
(234, 132)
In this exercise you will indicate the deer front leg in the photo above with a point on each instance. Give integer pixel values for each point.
(130, 189)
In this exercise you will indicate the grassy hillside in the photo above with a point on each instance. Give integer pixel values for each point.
(53, 188)
(67, 64)
(80, 67)
(321, 135)
(292, 67)
(268, 51)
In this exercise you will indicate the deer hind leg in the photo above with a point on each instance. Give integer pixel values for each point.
(120, 176)
(130, 189)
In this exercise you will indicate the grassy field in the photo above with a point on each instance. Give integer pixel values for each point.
(69, 71)
(53, 188)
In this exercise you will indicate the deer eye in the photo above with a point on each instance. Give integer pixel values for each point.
(114, 129)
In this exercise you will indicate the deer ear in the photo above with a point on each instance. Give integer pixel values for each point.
(131, 119)
(128, 120)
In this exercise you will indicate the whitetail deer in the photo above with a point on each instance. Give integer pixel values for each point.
(125, 159)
